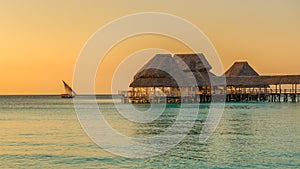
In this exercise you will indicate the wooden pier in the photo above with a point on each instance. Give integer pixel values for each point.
(263, 95)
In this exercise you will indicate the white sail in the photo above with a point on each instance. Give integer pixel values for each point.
(69, 92)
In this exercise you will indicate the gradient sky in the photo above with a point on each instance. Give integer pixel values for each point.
(41, 39)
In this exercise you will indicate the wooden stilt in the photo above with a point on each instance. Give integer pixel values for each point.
(296, 93)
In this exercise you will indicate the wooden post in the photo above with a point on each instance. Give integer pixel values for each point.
(296, 94)
(133, 93)
(279, 88)
(279, 93)
(265, 90)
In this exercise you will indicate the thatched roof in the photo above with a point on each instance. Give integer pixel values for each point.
(260, 81)
(195, 62)
(148, 70)
(193, 69)
(196, 66)
(282, 79)
(240, 69)
(246, 81)
(203, 78)
(161, 71)
(190, 69)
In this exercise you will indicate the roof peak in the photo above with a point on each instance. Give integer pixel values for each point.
(241, 68)
(163, 54)
(240, 62)
(188, 54)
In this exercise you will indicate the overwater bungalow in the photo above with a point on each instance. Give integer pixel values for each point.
(188, 78)
(155, 81)
(245, 84)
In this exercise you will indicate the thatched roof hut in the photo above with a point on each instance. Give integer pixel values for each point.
(160, 71)
(240, 69)
(241, 74)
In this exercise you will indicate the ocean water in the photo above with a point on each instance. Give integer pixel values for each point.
(44, 132)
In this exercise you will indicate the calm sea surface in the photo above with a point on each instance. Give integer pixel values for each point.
(43, 132)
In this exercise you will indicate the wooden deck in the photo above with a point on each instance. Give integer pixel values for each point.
(264, 95)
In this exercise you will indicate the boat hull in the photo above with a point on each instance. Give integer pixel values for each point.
(66, 96)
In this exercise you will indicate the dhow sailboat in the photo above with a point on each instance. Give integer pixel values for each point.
(69, 93)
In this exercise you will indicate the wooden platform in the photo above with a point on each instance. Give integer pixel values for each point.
(236, 96)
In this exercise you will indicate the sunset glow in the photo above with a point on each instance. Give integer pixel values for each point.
(41, 40)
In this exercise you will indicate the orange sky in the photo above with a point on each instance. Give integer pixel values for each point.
(41, 40)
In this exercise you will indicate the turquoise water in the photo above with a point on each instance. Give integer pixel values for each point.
(43, 132)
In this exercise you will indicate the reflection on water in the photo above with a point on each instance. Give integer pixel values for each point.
(43, 131)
